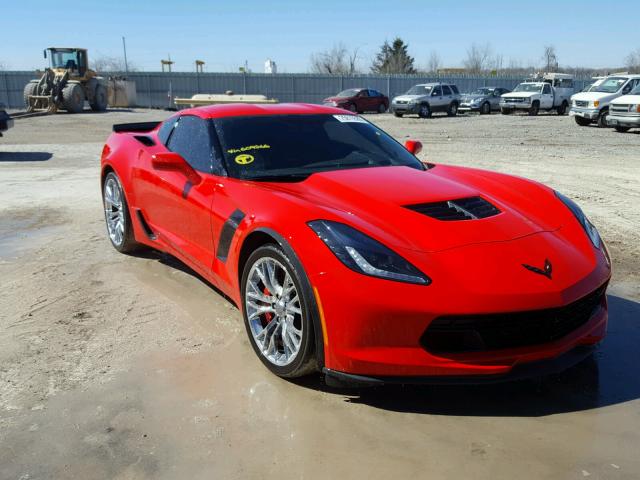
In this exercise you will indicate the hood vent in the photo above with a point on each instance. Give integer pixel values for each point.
(471, 208)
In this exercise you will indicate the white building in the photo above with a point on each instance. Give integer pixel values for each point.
(270, 66)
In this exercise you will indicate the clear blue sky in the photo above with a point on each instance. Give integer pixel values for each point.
(225, 34)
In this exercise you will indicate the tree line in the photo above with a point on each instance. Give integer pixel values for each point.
(394, 58)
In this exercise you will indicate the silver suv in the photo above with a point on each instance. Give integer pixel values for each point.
(427, 98)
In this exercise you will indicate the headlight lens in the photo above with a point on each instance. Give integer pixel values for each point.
(365, 255)
(596, 103)
(592, 231)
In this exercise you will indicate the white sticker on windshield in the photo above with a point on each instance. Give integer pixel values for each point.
(349, 118)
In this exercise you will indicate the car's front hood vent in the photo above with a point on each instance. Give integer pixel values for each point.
(471, 208)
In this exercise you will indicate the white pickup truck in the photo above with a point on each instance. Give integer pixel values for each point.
(624, 111)
(552, 92)
(593, 106)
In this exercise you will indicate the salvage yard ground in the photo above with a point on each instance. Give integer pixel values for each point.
(124, 367)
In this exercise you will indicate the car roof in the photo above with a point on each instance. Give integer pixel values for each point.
(431, 84)
(256, 109)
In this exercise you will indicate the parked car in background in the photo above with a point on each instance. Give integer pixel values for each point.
(359, 100)
(552, 91)
(427, 98)
(624, 111)
(593, 106)
(6, 122)
(482, 100)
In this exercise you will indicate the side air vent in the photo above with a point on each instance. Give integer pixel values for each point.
(471, 208)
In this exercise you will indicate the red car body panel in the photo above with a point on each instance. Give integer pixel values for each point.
(362, 102)
(373, 326)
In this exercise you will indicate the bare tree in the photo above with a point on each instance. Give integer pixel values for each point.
(497, 62)
(435, 63)
(3, 66)
(632, 61)
(105, 63)
(477, 57)
(336, 61)
(550, 58)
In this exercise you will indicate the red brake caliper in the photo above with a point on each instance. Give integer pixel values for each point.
(268, 315)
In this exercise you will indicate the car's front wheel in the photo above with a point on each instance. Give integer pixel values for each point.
(277, 313)
(424, 111)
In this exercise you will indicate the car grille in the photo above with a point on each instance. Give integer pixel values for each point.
(471, 208)
(515, 100)
(623, 109)
(473, 333)
(581, 103)
(401, 102)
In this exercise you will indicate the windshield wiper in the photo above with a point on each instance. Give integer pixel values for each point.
(280, 177)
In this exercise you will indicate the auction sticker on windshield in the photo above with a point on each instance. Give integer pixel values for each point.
(349, 119)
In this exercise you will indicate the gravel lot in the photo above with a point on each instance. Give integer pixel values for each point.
(132, 367)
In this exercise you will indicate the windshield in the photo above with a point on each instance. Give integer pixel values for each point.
(286, 147)
(419, 90)
(528, 87)
(610, 85)
(352, 92)
(635, 91)
(482, 91)
(62, 59)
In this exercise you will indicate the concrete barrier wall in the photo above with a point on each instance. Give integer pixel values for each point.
(155, 89)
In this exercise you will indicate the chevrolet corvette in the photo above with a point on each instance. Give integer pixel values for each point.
(348, 255)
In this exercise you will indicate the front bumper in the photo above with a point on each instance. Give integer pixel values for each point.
(589, 113)
(623, 120)
(405, 108)
(469, 107)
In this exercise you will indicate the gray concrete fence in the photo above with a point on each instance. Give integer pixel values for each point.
(155, 89)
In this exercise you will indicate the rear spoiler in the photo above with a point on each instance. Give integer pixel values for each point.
(135, 127)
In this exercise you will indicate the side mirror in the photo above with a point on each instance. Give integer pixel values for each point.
(173, 162)
(413, 146)
(44, 53)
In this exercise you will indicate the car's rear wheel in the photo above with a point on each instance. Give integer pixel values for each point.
(562, 109)
(382, 108)
(277, 314)
(485, 109)
(583, 122)
(452, 111)
(116, 214)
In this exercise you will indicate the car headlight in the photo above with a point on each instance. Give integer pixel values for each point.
(413, 101)
(592, 231)
(596, 104)
(365, 255)
(476, 101)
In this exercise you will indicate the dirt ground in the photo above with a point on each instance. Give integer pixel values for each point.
(125, 367)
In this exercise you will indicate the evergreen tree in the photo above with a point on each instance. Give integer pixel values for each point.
(393, 58)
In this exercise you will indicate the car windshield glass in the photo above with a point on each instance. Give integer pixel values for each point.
(610, 85)
(289, 147)
(528, 87)
(482, 91)
(352, 92)
(419, 90)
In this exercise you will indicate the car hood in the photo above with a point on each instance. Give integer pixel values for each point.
(471, 98)
(407, 98)
(520, 94)
(375, 200)
(592, 96)
(626, 100)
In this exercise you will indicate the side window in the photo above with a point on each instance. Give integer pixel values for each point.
(446, 90)
(437, 91)
(364, 93)
(165, 129)
(455, 89)
(374, 93)
(191, 139)
(546, 89)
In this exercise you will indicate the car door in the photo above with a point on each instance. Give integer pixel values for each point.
(437, 101)
(447, 95)
(375, 99)
(546, 99)
(362, 100)
(178, 209)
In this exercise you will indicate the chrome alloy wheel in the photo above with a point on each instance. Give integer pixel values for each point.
(274, 311)
(114, 210)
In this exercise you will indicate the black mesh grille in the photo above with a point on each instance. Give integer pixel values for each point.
(470, 208)
(468, 333)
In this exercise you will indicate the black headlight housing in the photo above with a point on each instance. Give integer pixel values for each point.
(589, 228)
(365, 255)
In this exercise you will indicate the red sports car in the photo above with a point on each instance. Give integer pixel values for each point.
(358, 100)
(348, 255)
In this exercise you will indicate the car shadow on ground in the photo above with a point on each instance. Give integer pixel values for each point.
(25, 156)
(608, 377)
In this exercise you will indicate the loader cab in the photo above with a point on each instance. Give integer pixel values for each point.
(72, 59)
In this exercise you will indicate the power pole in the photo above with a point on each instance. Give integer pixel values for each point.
(124, 47)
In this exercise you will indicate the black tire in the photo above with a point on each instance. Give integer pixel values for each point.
(583, 122)
(620, 129)
(485, 108)
(397, 114)
(505, 111)
(424, 111)
(29, 89)
(305, 361)
(562, 109)
(128, 243)
(99, 103)
(73, 98)
(534, 109)
(601, 121)
(452, 110)
(353, 108)
(382, 108)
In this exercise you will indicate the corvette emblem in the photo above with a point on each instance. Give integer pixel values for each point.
(546, 271)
